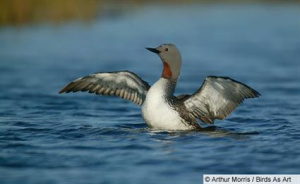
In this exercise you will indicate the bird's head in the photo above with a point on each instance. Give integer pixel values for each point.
(171, 59)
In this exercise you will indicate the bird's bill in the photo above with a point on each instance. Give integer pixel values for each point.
(153, 50)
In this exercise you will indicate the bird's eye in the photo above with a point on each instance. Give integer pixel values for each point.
(166, 49)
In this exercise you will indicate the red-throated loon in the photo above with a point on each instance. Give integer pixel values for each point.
(216, 98)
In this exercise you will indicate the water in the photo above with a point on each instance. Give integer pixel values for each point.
(81, 138)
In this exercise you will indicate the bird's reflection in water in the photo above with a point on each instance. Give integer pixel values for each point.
(214, 131)
(210, 131)
(170, 141)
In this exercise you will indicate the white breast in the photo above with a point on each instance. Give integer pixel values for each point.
(157, 113)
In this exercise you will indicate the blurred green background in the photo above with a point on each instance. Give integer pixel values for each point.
(20, 12)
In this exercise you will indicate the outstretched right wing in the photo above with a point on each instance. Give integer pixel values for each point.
(124, 84)
(217, 98)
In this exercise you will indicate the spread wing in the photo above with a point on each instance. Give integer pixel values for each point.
(217, 98)
(124, 84)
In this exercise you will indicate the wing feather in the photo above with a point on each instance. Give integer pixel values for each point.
(217, 98)
(124, 84)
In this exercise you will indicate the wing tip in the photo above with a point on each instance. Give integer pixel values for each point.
(66, 89)
(62, 90)
(255, 93)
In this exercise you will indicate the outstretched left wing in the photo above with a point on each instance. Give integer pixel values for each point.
(124, 84)
(217, 98)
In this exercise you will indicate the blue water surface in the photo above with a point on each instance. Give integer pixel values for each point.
(82, 138)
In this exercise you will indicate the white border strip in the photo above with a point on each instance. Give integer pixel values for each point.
(251, 179)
